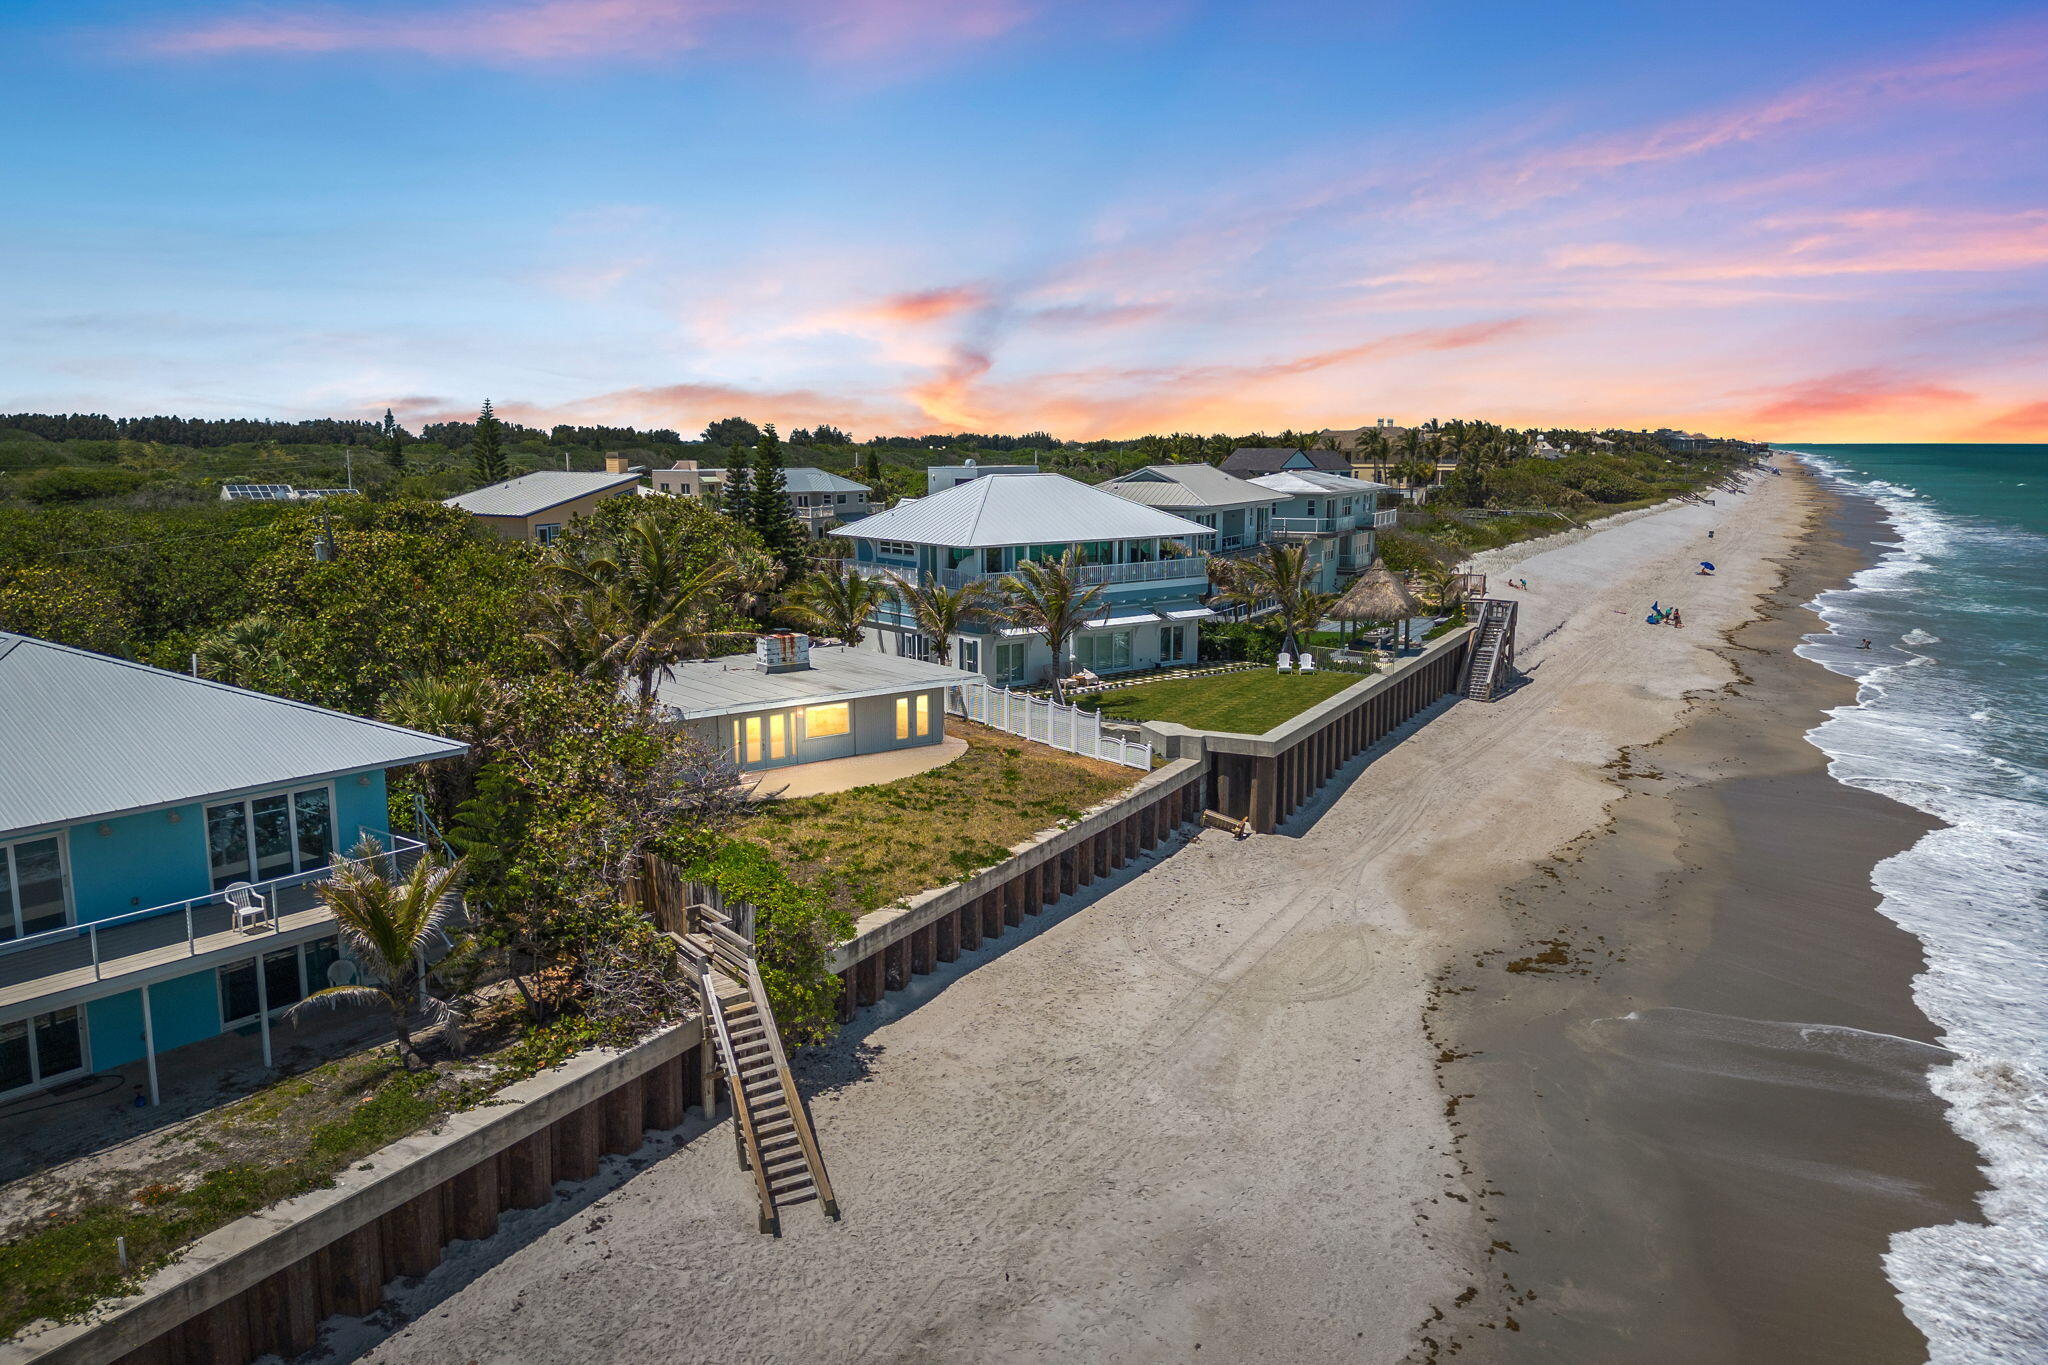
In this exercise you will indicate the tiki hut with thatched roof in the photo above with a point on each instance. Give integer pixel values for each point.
(1378, 595)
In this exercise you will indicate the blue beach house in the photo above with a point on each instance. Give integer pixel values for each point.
(160, 841)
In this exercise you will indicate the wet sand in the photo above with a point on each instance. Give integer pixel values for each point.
(1690, 1078)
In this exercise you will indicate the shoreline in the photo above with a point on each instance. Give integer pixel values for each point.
(1698, 1108)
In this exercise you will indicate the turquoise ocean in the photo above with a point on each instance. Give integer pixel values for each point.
(1951, 717)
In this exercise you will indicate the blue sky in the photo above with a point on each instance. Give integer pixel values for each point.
(904, 215)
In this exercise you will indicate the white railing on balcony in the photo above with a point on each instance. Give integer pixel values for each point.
(102, 943)
(1184, 568)
(1306, 526)
(1386, 519)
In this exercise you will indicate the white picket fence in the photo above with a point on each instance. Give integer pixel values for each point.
(1039, 718)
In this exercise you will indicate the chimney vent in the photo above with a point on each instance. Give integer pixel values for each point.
(614, 462)
(782, 652)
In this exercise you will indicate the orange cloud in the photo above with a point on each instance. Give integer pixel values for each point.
(1849, 392)
(927, 305)
(2028, 423)
(572, 30)
(686, 408)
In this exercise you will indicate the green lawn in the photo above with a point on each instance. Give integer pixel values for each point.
(1251, 702)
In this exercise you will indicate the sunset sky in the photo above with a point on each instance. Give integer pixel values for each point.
(1814, 221)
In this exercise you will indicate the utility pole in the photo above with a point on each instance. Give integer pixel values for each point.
(349, 456)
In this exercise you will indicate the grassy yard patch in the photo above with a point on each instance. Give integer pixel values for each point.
(284, 1140)
(875, 845)
(1250, 702)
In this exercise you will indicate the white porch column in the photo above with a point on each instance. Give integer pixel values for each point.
(149, 1045)
(263, 1009)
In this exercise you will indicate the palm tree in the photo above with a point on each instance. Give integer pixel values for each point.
(1281, 574)
(1047, 596)
(629, 610)
(244, 652)
(836, 600)
(454, 705)
(386, 928)
(942, 612)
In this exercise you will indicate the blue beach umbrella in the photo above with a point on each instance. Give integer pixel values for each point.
(1708, 567)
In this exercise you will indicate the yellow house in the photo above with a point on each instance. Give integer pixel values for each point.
(537, 506)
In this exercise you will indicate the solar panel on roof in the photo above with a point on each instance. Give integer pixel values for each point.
(257, 492)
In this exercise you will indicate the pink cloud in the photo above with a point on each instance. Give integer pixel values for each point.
(520, 31)
(927, 305)
(1850, 392)
(2026, 423)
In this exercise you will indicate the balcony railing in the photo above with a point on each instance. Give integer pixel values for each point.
(1310, 526)
(1190, 568)
(99, 950)
(1386, 519)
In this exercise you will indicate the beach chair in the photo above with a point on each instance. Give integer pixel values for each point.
(1283, 662)
(246, 905)
(1308, 662)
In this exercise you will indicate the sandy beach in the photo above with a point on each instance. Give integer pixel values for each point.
(1200, 1107)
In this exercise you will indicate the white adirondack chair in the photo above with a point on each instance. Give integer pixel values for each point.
(246, 904)
(1308, 662)
(1284, 662)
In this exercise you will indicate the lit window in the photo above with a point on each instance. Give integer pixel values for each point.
(924, 714)
(903, 718)
(821, 722)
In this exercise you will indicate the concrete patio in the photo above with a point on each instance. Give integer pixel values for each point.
(861, 770)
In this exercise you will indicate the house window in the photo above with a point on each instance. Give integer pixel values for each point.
(896, 549)
(289, 976)
(1012, 658)
(822, 722)
(967, 653)
(913, 645)
(1171, 643)
(547, 532)
(1100, 653)
(32, 899)
(261, 837)
(913, 716)
(41, 1049)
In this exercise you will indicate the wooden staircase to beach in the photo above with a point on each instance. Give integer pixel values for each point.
(1492, 662)
(773, 1129)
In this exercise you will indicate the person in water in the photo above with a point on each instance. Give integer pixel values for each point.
(1864, 645)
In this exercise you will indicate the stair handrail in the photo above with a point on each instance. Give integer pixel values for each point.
(798, 1114)
(740, 1112)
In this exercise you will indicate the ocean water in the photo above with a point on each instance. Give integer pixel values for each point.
(1951, 718)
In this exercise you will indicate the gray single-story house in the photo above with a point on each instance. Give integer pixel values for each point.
(792, 702)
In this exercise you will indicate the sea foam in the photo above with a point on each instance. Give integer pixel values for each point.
(1963, 743)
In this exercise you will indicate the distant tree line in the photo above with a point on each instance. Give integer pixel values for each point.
(196, 432)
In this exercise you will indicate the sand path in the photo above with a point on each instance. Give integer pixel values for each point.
(1196, 1109)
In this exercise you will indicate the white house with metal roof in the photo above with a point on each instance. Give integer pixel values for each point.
(1334, 516)
(1237, 510)
(160, 841)
(537, 506)
(817, 497)
(1151, 566)
(793, 702)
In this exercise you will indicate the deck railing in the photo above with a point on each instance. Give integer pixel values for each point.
(1190, 568)
(102, 943)
(1050, 722)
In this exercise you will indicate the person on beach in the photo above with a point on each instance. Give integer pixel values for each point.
(1864, 645)
(1676, 619)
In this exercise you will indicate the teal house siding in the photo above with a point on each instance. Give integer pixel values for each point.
(142, 861)
(115, 1025)
(187, 1009)
(359, 805)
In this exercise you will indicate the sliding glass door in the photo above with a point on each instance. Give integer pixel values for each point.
(41, 1049)
(32, 899)
(261, 837)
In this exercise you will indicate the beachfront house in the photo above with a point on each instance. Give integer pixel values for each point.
(1249, 462)
(1335, 516)
(939, 477)
(539, 505)
(793, 702)
(1237, 510)
(1151, 565)
(160, 840)
(818, 498)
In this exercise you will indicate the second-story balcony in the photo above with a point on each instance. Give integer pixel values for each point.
(84, 961)
(1177, 569)
(1386, 519)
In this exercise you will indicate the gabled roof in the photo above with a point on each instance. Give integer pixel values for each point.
(801, 479)
(85, 736)
(1019, 509)
(1315, 482)
(1189, 485)
(533, 493)
(1250, 460)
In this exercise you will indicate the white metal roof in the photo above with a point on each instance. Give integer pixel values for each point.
(536, 492)
(1019, 509)
(1189, 485)
(802, 479)
(1315, 482)
(735, 684)
(85, 736)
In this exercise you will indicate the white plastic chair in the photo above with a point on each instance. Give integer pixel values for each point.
(247, 905)
(1308, 662)
(1283, 662)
